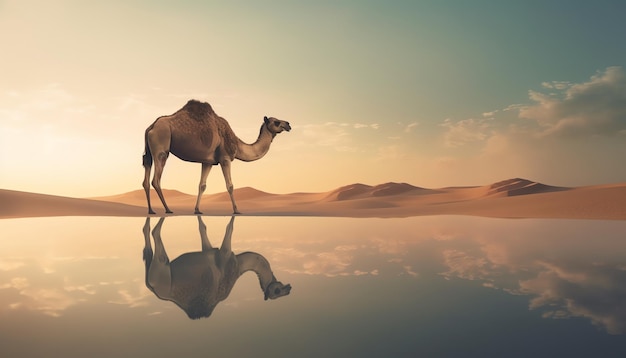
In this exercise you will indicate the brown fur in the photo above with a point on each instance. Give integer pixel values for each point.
(195, 133)
(198, 110)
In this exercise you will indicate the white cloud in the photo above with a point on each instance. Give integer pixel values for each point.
(361, 125)
(560, 85)
(528, 140)
(595, 107)
(390, 153)
(339, 136)
(409, 128)
(466, 131)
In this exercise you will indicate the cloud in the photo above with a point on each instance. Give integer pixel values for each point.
(391, 152)
(560, 85)
(339, 136)
(595, 107)
(541, 139)
(361, 125)
(466, 131)
(409, 128)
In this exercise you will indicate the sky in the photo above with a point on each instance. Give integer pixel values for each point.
(433, 93)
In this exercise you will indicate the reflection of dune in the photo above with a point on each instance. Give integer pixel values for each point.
(509, 198)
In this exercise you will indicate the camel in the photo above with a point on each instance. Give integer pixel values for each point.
(198, 281)
(195, 133)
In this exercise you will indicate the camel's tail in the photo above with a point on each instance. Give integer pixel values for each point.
(147, 155)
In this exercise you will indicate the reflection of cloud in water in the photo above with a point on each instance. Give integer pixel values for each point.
(49, 285)
(462, 265)
(17, 283)
(132, 299)
(344, 260)
(53, 301)
(594, 291)
(328, 263)
(49, 301)
(88, 289)
(393, 246)
(10, 264)
(562, 288)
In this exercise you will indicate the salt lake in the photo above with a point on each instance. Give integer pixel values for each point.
(436, 286)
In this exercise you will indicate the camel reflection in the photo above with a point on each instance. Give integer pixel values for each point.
(198, 281)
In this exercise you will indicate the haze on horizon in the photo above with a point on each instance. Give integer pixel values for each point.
(433, 93)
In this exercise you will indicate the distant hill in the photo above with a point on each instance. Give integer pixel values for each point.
(515, 197)
(359, 191)
(16, 204)
(519, 186)
(245, 193)
(139, 196)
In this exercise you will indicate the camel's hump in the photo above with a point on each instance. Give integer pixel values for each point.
(198, 110)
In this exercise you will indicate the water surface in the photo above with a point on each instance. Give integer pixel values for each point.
(443, 286)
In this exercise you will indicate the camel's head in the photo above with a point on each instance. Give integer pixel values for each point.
(277, 289)
(275, 125)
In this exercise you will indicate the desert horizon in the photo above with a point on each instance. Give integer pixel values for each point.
(510, 198)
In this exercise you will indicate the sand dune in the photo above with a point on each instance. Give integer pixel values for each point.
(138, 197)
(518, 186)
(246, 193)
(360, 191)
(16, 204)
(511, 198)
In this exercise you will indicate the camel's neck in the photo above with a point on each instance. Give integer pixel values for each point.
(250, 261)
(256, 150)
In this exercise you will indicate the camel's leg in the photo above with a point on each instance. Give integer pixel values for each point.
(146, 185)
(146, 236)
(226, 243)
(229, 183)
(159, 164)
(159, 249)
(159, 273)
(206, 168)
(206, 245)
(147, 249)
(225, 251)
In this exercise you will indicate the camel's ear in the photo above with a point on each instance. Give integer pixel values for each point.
(265, 119)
